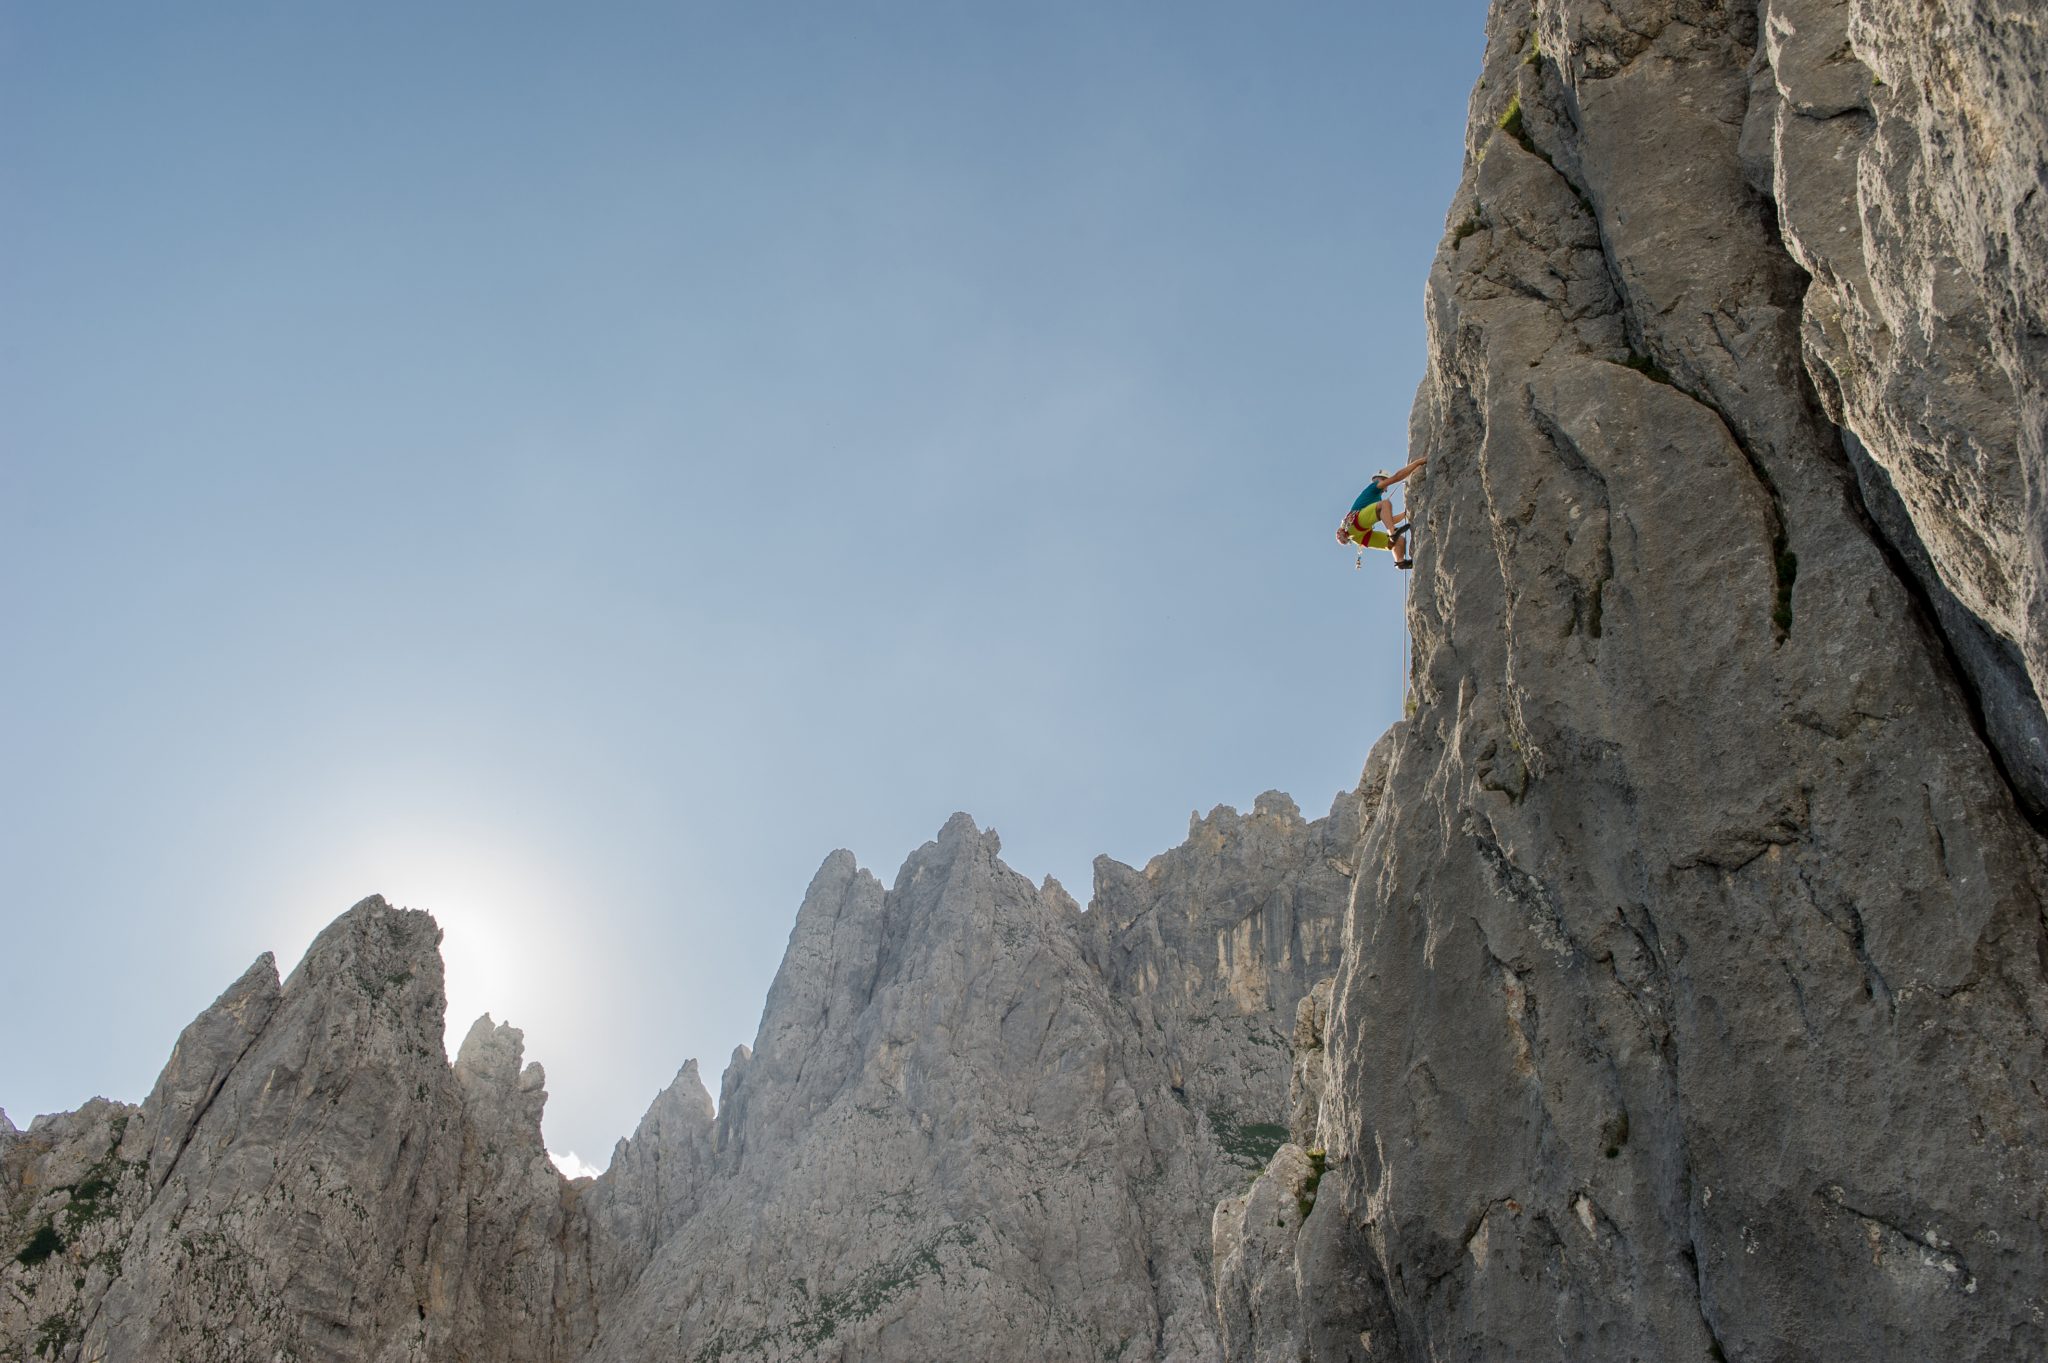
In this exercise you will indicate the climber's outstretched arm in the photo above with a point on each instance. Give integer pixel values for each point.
(1405, 469)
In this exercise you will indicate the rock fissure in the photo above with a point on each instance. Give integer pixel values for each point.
(1716, 1350)
(1888, 1235)
(979, 1122)
(1844, 917)
(2029, 795)
(1784, 562)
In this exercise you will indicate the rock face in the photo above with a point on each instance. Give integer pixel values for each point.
(310, 1179)
(1695, 1004)
(1212, 947)
(1906, 147)
(73, 1185)
(976, 1122)
(943, 1119)
(1683, 961)
(1264, 1309)
(979, 1123)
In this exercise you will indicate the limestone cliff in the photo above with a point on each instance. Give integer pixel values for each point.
(1903, 147)
(1694, 1005)
(1675, 986)
(1213, 945)
(310, 1179)
(942, 1120)
(978, 1122)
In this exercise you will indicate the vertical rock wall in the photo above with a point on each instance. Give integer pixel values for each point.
(1694, 1006)
(1906, 146)
(1212, 946)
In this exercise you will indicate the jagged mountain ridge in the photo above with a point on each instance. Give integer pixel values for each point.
(1694, 979)
(973, 1117)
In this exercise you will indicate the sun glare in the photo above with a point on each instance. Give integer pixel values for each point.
(499, 913)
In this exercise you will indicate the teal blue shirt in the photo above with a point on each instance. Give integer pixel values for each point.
(1373, 493)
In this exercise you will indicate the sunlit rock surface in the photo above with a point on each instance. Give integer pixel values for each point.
(979, 1123)
(976, 1122)
(310, 1179)
(1684, 970)
(1904, 147)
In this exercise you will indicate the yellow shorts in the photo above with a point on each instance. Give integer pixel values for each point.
(1372, 536)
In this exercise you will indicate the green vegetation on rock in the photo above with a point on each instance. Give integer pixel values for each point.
(41, 1246)
(1251, 1144)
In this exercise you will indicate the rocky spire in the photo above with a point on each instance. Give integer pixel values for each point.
(657, 1181)
(311, 1178)
(325, 1099)
(202, 1060)
(937, 1123)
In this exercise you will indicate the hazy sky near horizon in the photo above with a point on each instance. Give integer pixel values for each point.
(569, 468)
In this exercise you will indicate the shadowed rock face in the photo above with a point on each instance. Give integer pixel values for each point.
(975, 1122)
(1693, 1005)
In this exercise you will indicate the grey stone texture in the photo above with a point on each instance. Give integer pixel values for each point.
(1683, 963)
(1271, 1254)
(941, 1120)
(71, 1188)
(1692, 1001)
(1258, 1290)
(310, 1180)
(976, 1122)
(1213, 945)
(1906, 149)
(979, 1123)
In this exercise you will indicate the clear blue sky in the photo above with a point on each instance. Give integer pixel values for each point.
(571, 467)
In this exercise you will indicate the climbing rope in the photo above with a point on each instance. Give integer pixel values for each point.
(1407, 684)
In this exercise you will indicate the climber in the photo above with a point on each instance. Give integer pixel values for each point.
(1372, 505)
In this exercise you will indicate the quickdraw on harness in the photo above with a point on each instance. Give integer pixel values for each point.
(1350, 531)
